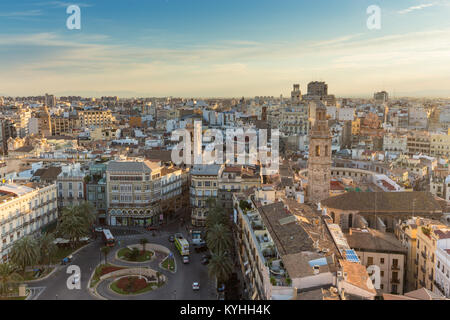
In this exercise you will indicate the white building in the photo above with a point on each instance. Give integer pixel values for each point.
(24, 210)
(442, 269)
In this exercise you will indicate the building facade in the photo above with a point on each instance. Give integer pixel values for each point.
(24, 210)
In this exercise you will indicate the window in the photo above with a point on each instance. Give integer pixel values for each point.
(370, 261)
(317, 151)
(381, 260)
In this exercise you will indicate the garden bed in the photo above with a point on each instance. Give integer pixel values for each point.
(135, 256)
(101, 270)
(168, 264)
(132, 285)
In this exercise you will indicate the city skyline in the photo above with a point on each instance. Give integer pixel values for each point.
(226, 49)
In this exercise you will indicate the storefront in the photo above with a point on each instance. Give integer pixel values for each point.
(134, 218)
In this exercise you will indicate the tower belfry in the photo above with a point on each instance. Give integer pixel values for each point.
(319, 163)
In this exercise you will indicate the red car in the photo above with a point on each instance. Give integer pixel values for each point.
(151, 228)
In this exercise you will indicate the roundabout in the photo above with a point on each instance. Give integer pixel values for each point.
(132, 272)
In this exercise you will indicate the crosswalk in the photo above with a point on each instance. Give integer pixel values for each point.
(35, 292)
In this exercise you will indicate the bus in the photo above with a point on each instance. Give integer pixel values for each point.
(108, 238)
(182, 245)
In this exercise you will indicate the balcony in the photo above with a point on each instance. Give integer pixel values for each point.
(431, 277)
(422, 283)
(395, 267)
(423, 269)
(416, 262)
(395, 281)
(423, 254)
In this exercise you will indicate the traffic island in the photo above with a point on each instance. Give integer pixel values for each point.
(135, 285)
(134, 255)
(169, 264)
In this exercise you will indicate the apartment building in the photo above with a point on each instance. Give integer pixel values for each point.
(235, 179)
(134, 193)
(24, 210)
(406, 232)
(442, 270)
(427, 238)
(96, 190)
(96, 118)
(174, 191)
(204, 185)
(294, 120)
(383, 250)
(395, 143)
(70, 183)
(440, 145)
(61, 125)
(419, 142)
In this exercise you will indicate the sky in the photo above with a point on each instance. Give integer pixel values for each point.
(224, 48)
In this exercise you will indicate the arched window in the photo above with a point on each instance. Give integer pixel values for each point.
(317, 151)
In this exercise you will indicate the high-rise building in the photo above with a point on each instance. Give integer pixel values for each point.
(50, 100)
(381, 97)
(317, 88)
(319, 163)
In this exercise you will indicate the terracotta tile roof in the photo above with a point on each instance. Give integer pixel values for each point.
(387, 202)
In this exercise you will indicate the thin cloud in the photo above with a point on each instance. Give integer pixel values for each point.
(62, 4)
(28, 13)
(415, 8)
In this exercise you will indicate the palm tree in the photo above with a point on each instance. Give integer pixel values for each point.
(219, 239)
(72, 225)
(24, 253)
(47, 248)
(143, 241)
(105, 250)
(86, 211)
(8, 276)
(220, 267)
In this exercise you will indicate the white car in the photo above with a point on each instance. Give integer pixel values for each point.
(195, 286)
(185, 259)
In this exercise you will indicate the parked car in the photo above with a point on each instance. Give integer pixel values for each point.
(151, 228)
(171, 239)
(195, 286)
(185, 259)
(205, 261)
(99, 229)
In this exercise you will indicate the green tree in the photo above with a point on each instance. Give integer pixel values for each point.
(220, 267)
(216, 214)
(8, 277)
(105, 250)
(87, 213)
(24, 253)
(72, 225)
(143, 242)
(47, 248)
(219, 239)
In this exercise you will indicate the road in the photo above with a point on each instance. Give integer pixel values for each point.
(179, 285)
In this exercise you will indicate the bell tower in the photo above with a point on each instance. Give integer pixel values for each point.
(319, 163)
